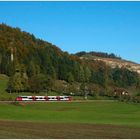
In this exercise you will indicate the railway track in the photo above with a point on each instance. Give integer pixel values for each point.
(56, 101)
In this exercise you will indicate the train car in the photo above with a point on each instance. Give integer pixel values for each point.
(64, 98)
(43, 98)
(24, 98)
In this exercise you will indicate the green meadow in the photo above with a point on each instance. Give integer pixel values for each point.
(95, 112)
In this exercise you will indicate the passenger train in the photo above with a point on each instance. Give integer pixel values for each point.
(43, 98)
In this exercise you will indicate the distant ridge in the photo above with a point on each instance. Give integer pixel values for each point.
(110, 59)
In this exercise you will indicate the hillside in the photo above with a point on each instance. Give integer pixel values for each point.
(113, 62)
(35, 55)
(36, 65)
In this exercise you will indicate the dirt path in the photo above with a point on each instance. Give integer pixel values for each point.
(28, 130)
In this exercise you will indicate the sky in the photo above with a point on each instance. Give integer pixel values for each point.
(112, 27)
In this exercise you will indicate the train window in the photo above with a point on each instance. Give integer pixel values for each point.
(40, 98)
(66, 97)
(23, 97)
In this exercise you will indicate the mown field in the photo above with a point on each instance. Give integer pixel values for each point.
(86, 119)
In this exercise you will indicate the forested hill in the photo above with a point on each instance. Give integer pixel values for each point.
(35, 65)
(35, 54)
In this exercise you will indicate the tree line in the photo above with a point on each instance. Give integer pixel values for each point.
(98, 54)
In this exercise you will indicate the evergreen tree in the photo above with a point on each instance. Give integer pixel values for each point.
(17, 82)
(70, 77)
(81, 75)
(38, 83)
(87, 72)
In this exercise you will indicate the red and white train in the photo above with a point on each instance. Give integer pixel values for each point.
(43, 98)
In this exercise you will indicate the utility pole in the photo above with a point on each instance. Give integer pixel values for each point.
(12, 49)
(12, 55)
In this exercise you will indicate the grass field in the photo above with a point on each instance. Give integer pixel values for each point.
(93, 119)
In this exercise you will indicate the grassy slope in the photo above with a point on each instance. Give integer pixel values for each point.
(96, 112)
(3, 82)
